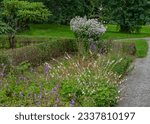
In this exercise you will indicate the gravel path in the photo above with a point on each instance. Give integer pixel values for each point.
(135, 91)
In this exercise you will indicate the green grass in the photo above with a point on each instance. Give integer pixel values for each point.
(113, 33)
(50, 30)
(64, 32)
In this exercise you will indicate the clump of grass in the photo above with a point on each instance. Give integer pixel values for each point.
(89, 81)
(122, 67)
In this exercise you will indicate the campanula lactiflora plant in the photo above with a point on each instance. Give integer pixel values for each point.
(86, 31)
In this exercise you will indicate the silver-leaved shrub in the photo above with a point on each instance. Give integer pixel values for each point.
(90, 29)
(87, 32)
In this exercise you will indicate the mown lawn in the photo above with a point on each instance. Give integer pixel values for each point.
(113, 33)
(50, 30)
(62, 31)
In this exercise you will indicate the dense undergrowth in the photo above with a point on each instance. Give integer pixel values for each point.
(73, 80)
(37, 73)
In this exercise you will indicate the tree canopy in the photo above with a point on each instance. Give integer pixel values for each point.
(16, 15)
(128, 14)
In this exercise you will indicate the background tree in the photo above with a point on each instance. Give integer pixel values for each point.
(64, 10)
(128, 14)
(4, 28)
(16, 15)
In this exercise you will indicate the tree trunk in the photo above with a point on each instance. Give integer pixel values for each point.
(125, 29)
(12, 41)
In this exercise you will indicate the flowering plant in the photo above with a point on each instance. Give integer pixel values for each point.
(87, 31)
(87, 28)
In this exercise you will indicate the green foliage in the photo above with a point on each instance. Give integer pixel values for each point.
(72, 81)
(4, 28)
(39, 53)
(64, 11)
(18, 14)
(22, 67)
(24, 88)
(104, 97)
(88, 85)
(128, 14)
(4, 58)
(122, 67)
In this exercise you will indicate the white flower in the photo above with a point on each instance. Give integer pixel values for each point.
(87, 28)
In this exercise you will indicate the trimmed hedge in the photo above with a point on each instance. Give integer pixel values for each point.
(38, 53)
(110, 46)
(128, 48)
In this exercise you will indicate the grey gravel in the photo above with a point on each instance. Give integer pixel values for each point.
(135, 91)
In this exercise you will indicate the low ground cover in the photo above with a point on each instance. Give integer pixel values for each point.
(73, 80)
